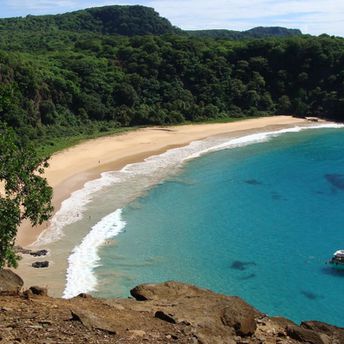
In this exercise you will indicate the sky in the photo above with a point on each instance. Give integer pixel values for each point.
(311, 16)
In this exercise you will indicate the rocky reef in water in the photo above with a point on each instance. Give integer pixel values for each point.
(169, 312)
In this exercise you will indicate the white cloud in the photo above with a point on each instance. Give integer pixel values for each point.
(312, 16)
(55, 6)
(40, 5)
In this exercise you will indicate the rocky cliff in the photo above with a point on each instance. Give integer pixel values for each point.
(170, 312)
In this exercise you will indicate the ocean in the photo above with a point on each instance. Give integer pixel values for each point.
(256, 216)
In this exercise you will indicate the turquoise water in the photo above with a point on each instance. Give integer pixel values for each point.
(258, 221)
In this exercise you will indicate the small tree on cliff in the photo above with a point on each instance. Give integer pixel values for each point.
(24, 193)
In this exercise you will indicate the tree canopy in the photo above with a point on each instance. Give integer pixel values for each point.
(256, 32)
(120, 66)
(25, 193)
(122, 20)
(116, 67)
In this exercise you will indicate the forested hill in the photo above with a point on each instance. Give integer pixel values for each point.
(122, 20)
(63, 82)
(128, 21)
(257, 32)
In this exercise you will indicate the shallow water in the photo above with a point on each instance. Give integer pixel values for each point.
(258, 221)
(258, 218)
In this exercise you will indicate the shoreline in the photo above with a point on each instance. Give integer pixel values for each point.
(70, 169)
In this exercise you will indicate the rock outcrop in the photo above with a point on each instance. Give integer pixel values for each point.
(209, 315)
(170, 312)
(10, 282)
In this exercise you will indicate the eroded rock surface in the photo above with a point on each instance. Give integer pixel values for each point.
(170, 312)
(10, 282)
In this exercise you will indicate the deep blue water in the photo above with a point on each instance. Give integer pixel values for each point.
(258, 221)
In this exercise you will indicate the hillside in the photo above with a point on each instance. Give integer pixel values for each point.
(275, 31)
(99, 69)
(121, 20)
(128, 21)
(257, 32)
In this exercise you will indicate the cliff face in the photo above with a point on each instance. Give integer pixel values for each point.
(170, 312)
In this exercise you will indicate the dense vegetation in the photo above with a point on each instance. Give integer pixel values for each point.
(122, 20)
(257, 32)
(109, 67)
(26, 194)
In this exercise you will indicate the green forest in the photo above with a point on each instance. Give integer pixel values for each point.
(120, 66)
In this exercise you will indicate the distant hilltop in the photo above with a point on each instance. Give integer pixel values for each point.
(121, 20)
(129, 21)
(257, 32)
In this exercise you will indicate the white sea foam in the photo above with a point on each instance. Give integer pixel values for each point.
(80, 275)
(73, 208)
(261, 137)
(158, 166)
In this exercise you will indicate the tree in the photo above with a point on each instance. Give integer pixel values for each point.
(24, 194)
(284, 105)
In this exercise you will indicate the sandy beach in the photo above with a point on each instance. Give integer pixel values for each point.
(70, 169)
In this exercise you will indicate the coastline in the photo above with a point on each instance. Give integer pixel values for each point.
(70, 169)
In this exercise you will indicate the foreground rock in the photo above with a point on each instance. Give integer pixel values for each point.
(212, 317)
(10, 282)
(160, 313)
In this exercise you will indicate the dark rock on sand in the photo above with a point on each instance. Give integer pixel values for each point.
(40, 265)
(19, 249)
(39, 291)
(39, 253)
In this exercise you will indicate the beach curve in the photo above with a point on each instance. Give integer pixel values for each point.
(70, 169)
